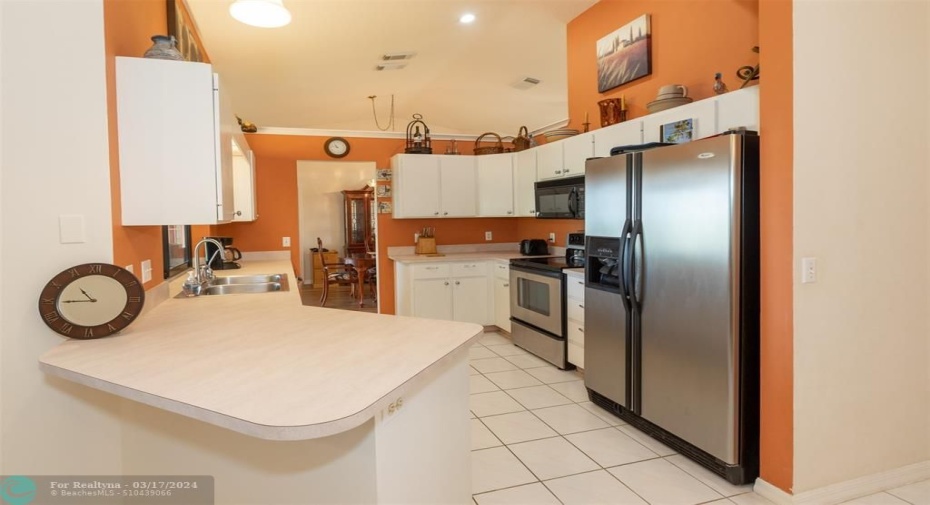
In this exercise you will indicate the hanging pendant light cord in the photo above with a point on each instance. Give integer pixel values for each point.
(374, 112)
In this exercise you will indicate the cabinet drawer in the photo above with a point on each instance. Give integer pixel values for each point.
(576, 355)
(575, 287)
(431, 271)
(502, 271)
(574, 308)
(576, 333)
(471, 269)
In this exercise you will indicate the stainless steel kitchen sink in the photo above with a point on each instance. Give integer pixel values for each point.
(247, 279)
(232, 289)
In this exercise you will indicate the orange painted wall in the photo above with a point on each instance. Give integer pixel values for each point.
(777, 366)
(691, 40)
(128, 26)
(276, 187)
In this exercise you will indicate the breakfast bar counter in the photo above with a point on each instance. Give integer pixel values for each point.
(268, 367)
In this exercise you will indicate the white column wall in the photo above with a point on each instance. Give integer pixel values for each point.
(861, 191)
(54, 161)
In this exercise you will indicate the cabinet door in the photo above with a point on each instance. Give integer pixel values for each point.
(524, 191)
(167, 142)
(432, 299)
(738, 108)
(549, 161)
(244, 186)
(502, 303)
(470, 300)
(627, 133)
(226, 126)
(458, 186)
(495, 185)
(416, 185)
(576, 150)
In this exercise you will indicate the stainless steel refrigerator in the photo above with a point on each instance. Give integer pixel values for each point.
(672, 296)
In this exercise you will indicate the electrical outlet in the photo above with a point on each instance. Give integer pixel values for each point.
(285, 241)
(146, 268)
(808, 270)
(488, 235)
(551, 238)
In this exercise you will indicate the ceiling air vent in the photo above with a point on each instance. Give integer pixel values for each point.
(390, 65)
(398, 56)
(525, 82)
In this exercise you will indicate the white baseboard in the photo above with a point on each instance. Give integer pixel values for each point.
(847, 490)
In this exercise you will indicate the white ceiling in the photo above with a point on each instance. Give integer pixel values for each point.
(318, 71)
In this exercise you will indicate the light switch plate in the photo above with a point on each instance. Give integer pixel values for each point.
(285, 241)
(71, 229)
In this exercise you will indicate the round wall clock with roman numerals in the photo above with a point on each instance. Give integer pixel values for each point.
(91, 301)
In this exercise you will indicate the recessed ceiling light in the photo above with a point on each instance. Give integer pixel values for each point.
(260, 13)
(467, 18)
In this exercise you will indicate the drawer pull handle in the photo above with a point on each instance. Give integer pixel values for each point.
(581, 282)
(506, 284)
(457, 283)
(446, 283)
(432, 268)
(581, 330)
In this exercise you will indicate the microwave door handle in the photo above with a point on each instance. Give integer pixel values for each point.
(571, 201)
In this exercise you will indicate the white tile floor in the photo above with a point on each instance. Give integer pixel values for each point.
(536, 440)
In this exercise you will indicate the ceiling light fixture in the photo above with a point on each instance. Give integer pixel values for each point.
(260, 13)
(467, 18)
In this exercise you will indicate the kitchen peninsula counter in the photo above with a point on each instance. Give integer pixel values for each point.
(264, 364)
(285, 403)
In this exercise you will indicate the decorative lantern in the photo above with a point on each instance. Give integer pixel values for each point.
(418, 142)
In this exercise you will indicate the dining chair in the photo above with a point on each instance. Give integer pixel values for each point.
(338, 273)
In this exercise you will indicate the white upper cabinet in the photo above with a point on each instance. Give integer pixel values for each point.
(626, 133)
(576, 150)
(244, 197)
(459, 186)
(738, 108)
(495, 185)
(524, 191)
(549, 161)
(428, 185)
(415, 185)
(175, 130)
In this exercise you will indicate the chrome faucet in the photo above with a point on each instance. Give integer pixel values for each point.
(203, 273)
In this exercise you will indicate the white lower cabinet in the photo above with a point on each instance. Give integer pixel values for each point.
(451, 291)
(502, 295)
(574, 308)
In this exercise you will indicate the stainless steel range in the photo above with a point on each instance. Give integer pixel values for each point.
(537, 302)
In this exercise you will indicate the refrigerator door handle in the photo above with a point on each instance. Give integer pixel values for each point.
(622, 267)
(636, 266)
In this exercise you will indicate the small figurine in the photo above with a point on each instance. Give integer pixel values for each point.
(747, 73)
(720, 87)
(246, 126)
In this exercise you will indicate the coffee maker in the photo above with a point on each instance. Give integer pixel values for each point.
(574, 249)
(220, 260)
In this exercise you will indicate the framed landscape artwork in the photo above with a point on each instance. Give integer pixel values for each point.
(624, 55)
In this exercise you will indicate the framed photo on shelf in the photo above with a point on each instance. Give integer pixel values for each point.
(384, 174)
(385, 208)
(384, 190)
(677, 132)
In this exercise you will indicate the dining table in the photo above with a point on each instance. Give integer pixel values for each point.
(361, 262)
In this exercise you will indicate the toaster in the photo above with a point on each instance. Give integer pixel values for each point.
(534, 247)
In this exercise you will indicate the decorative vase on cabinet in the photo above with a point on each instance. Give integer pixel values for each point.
(164, 48)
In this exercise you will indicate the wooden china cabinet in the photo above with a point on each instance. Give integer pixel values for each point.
(359, 218)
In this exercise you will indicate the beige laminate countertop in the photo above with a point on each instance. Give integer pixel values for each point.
(264, 364)
(575, 272)
(464, 256)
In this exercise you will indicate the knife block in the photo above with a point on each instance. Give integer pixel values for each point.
(426, 245)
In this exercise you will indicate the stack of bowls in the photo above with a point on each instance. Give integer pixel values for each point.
(670, 96)
(562, 133)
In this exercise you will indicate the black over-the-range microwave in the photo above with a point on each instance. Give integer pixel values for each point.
(560, 198)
